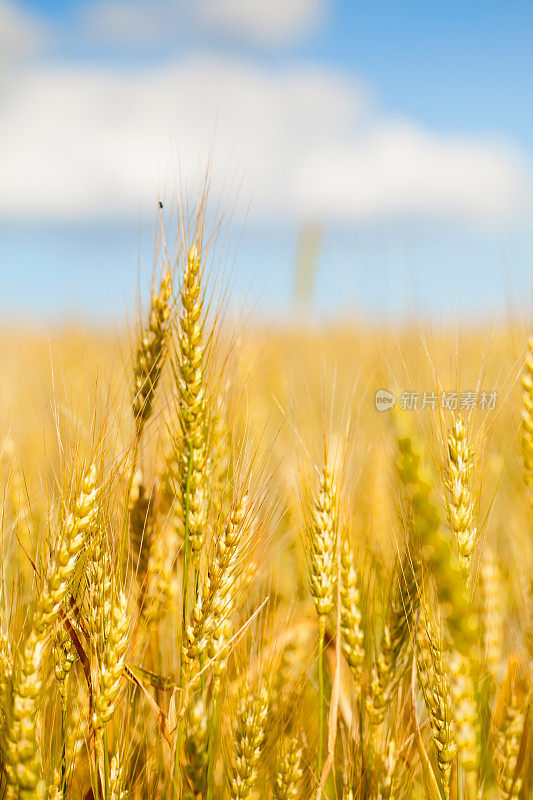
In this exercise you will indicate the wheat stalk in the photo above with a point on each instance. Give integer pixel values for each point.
(322, 543)
(460, 509)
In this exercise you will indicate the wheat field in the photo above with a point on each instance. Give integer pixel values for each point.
(226, 573)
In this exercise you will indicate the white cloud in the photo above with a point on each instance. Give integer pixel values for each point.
(261, 21)
(160, 22)
(20, 35)
(137, 22)
(123, 20)
(397, 169)
(86, 142)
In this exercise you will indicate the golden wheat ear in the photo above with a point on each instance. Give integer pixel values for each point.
(290, 771)
(23, 759)
(322, 534)
(460, 505)
(509, 728)
(248, 737)
(112, 644)
(433, 671)
(150, 355)
(209, 631)
(191, 441)
(527, 415)
(322, 541)
(352, 636)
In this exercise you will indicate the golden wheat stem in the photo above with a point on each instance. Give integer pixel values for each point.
(321, 634)
(97, 785)
(185, 582)
(63, 752)
(177, 771)
(211, 748)
(106, 764)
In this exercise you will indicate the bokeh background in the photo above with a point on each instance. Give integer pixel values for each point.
(387, 145)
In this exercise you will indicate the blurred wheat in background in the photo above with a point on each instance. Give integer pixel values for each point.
(226, 573)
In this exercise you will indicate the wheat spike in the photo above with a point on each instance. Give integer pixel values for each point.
(460, 510)
(112, 646)
(322, 541)
(290, 771)
(460, 505)
(117, 789)
(387, 670)
(435, 548)
(386, 786)
(527, 415)
(248, 738)
(23, 758)
(6, 678)
(150, 355)
(208, 630)
(64, 657)
(192, 396)
(431, 656)
(141, 525)
(465, 711)
(351, 631)
(507, 749)
(494, 602)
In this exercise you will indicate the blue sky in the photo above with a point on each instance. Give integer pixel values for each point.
(403, 128)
